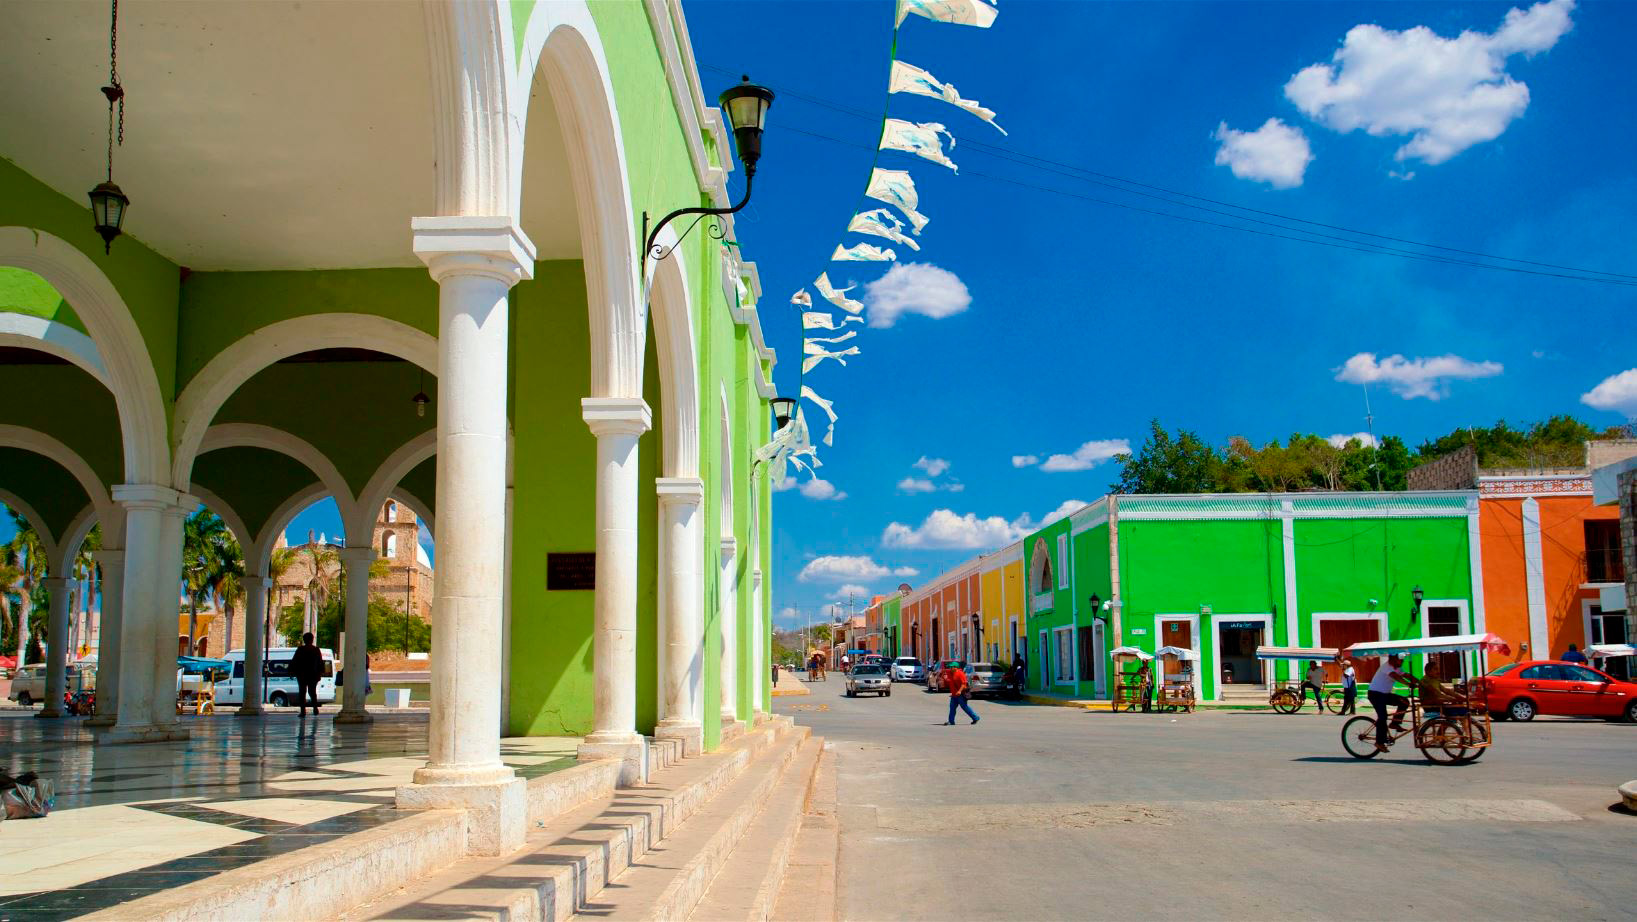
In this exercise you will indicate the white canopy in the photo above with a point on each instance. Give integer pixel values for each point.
(1455, 643)
(1326, 654)
(1600, 650)
(1182, 653)
(1131, 651)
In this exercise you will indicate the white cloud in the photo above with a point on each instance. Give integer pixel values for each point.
(1418, 377)
(932, 466)
(1062, 511)
(1275, 153)
(1025, 460)
(916, 485)
(1447, 94)
(955, 487)
(1616, 392)
(859, 593)
(944, 530)
(788, 617)
(1341, 439)
(1086, 456)
(840, 568)
(915, 288)
(815, 488)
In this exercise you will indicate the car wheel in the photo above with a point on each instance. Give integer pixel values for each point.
(278, 700)
(1631, 713)
(887, 693)
(25, 699)
(1521, 709)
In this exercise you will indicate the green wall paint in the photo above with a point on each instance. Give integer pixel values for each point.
(221, 308)
(45, 485)
(146, 281)
(70, 405)
(521, 10)
(23, 292)
(253, 482)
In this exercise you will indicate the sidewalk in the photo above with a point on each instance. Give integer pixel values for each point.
(790, 685)
(1095, 704)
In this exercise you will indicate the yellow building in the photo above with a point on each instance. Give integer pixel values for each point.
(1001, 602)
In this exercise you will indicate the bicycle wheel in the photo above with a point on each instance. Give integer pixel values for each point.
(1285, 702)
(1476, 732)
(1333, 702)
(1358, 737)
(1441, 741)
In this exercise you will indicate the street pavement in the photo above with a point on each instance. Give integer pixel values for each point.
(1061, 813)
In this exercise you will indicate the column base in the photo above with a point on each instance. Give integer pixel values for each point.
(152, 733)
(497, 813)
(630, 748)
(49, 713)
(762, 717)
(250, 710)
(732, 727)
(689, 733)
(354, 717)
(100, 720)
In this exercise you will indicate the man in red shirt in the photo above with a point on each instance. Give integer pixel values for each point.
(955, 679)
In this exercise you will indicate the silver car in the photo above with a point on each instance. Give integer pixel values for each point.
(908, 669)
(986, 680)
(870, 678)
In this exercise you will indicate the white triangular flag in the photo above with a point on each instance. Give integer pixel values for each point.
(907, 78)
(816, 353)
(880, 222)
(896, 187)
(833, 339)
(864, 252)
(818, 320)
(837, 296)
(802, 299)
(918, 138)
(959, 12)
(829, 435)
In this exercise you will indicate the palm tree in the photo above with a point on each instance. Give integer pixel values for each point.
(26, 554)
(325, 562)
(226, 587)
(203, 534)
(86, 569)
(10, 577)
(278, 564)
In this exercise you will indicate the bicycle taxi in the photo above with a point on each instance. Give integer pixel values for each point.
(1176, 690)
(1456, 732)
(1289, 698)
(196, 679)
(1131, 685)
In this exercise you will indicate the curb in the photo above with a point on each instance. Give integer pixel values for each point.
(1628, 793)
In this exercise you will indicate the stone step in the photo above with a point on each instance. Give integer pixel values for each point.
(808, 891)
(749, 880)
(569, 859)
(669, 882)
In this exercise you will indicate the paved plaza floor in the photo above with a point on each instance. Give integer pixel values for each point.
(1063, 813)
(135, 819)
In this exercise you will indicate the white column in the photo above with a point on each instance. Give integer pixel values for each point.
(1534, 580)
(475, 260)
(759, 640)
(356, 656)
(681, 614)
(618, 423)
(56, 653)
(255, 651)
(729, 623)
(112, 564)
(147, 621)
(1293, 623)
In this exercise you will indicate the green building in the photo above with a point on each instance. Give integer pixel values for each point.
(1224, 574)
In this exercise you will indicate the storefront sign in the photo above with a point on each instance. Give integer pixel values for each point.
(1247, 625)
(1139, 630)
(569, 571)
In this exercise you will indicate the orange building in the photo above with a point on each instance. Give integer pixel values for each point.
(939, 619)
(1549, 554)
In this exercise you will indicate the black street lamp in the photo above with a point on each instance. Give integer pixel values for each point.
(1417, 595)
(108, 202)
(745, 106)
(783, 409)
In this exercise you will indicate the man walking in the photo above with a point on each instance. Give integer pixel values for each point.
(307, 664)
(1349, 688)
(955, 678)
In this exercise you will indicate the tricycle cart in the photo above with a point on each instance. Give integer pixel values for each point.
(1454, 732)
(1289, 698)
(1133, 680)
(1176, 689)
(196, 679)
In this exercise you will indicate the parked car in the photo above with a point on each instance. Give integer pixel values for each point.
(988, 680)
(907, 669)
(280, 686)
(1521, 690)
(868, 678)
(28, 682)
(935, 674)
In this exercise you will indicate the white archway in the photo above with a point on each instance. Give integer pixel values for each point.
(422, 510)
(48, 541)
(233, 366)
(228, 515)
(383, 484)
(128, 369)
(48, 446)
(253, 435)
(256, 557)
(59, 339)
(561, 44)
(678, 364)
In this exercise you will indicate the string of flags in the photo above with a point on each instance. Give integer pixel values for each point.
(822, 332)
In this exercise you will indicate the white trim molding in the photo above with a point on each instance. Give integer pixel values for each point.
(1216, 649)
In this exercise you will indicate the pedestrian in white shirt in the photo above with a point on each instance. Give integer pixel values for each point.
(1381, 695)
(1349, 688)
(1314, 679)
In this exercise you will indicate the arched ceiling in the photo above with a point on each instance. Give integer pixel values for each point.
(253, 481)
(45, 485)
(47, 394)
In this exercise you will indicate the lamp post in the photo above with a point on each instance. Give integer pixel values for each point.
(745, 106)
(1415, 613)
(783, 409)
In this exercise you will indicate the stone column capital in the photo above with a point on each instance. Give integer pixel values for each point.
(616, 415)
(56, 584)
(147, 496)
(679, 491)
(756, 578)
(482, 245)
(361, 555)
(249, 583)
(109, 557)
(730, 546)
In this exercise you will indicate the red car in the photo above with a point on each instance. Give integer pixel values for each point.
(1521, 690)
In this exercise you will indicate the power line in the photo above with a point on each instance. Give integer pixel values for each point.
(1108, 180)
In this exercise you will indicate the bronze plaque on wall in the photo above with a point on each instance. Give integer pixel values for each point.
(571, 571)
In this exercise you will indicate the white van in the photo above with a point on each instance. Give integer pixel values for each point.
(279, 687)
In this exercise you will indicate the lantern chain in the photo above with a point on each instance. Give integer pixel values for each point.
(114, 90)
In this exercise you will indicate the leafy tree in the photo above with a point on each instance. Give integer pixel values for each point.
(1557, 442)
(388, 628)
(206, 555)
(26, 554)
(1166, 464)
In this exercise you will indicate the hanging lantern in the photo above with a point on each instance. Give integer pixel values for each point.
(108, 202)
(783, 409)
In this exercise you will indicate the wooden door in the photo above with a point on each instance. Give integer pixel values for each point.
(1445, 621)
(1341, 634)
(1176, 634)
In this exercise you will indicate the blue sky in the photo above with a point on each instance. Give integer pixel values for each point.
(1085, 320)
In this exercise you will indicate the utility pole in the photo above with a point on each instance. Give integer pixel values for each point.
(1370, 427)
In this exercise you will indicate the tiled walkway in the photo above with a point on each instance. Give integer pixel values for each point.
(135, 819)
